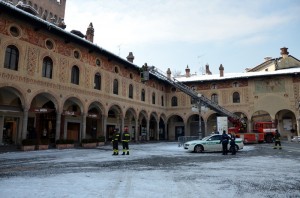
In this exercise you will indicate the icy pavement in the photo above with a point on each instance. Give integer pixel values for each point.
(152, 170)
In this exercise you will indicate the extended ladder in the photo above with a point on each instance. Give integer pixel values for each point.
(199, 98)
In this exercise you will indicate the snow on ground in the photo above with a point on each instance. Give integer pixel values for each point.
(235, 177)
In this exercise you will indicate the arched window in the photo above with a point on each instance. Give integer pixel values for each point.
(116, 87)
(153, 98)
(214, 98)
(47, 67)
(143, 95)
(174, 102)
(11, 58)
(236, 97)
(97, 81)
(130, 91)
(75, 75)
(162, 101)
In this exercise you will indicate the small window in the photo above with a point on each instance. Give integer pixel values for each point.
(47, 67)
(131, 76)
(98, 62)
(173, 89)
(75, 75)
(153, 98)
(236, 97)
(214, 86)
(14, 31)
(76, 54)
(49, 44)
(162, 101)
(116, 70)
(130, 91)
(214, 98)
(235, 84)
(116, 87)
(174, 102)
(97, 81)
(143, 95)
(11, 58)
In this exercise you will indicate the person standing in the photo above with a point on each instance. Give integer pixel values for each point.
(232, 144)
(224, 140)
(277, 140)
(125, 141)
(115, 141)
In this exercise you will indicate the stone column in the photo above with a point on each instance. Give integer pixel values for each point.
(136, 134)
(104, 121)
(1, 128)
(57, 126)
(25, 122)
(83, 128)
(148, 128)
(157, 131)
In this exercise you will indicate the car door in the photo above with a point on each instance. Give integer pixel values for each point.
(213, 143)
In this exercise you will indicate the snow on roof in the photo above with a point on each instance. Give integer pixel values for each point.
(53, 26)
(228, 76)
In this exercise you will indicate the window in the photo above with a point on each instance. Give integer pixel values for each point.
(235, 84)
(214, 86)
(14, 31)
(11, 58)
(75, 75)
(174, 101)
(97, 81)
(143, 95)
(214, 98)
(116, 87)
(236, 97)
(162, 101)
(130, 91)
(47, 67)
(153, 98)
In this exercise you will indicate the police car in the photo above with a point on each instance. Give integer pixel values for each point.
(210, 144)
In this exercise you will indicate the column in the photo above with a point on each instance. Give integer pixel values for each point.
(1, 128)
(104, 121)
(57, 125)
(136, 134)
(157, 131)
(148, 127)
(83, 128)
(25, 121)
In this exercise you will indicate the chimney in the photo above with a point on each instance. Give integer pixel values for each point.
(90, 33)
(169, 73)
(221, 68)
(207, 70)
(187, 71)
(284, 52)
(130, 57)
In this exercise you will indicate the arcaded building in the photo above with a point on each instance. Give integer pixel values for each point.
(56, 84)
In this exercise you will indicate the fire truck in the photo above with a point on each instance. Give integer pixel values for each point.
(262, 131)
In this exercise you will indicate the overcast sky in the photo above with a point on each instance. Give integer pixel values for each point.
(176, 33)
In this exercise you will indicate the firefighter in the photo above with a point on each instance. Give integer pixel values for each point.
(224, 140)
(277, 140)
(125, 141)
(115, 141)
(232, 144)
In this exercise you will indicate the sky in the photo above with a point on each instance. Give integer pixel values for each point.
(244, 175)
(179, 33)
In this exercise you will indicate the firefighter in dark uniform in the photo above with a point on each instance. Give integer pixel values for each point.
(232, 144)
(125, 141)
(277, 140)
(224, 140)
(115, 141)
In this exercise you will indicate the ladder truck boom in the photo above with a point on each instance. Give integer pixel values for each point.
(199, 98)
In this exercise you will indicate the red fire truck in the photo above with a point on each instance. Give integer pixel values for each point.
(262, 132)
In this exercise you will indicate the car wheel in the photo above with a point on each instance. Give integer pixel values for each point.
(236, 148)
(198, 149)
